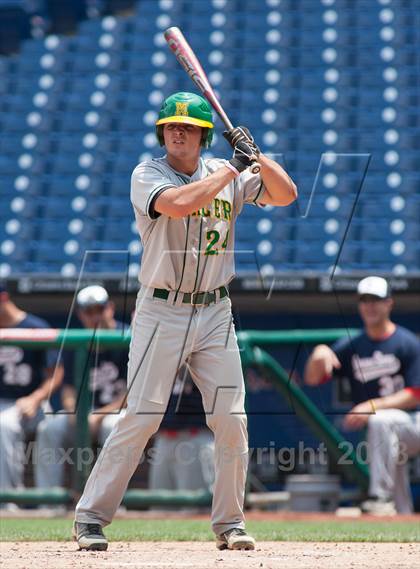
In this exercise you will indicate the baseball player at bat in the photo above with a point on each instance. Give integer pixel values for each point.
(185, 209)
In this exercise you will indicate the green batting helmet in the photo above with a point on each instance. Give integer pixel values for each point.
(187, 108)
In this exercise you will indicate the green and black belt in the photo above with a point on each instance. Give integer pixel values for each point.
(194, 298)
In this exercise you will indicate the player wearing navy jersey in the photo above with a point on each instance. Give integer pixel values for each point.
(382, 368)
(107, 383)
(27, 380)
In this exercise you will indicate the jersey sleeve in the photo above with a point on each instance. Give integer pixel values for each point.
(411, 364)
(50, 357)
(68, 362)
(147, 182)
(343, 350)
(249, 189)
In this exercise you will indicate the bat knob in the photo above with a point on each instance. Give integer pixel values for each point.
(255, 168)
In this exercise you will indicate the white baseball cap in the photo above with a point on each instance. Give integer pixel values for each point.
(92, 295)
(374, 286)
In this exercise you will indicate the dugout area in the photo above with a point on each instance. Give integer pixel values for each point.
(287, 421)
(327, 87)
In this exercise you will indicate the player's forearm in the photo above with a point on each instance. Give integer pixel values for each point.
(115, 405)
(50, 384)
(316, 366)
(184, 200)
(314, 372)
(403, 399)
(280, 188)
(68, 398)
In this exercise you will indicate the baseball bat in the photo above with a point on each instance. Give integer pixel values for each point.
(188, 60)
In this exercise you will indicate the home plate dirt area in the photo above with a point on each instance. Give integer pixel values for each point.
(204, 555)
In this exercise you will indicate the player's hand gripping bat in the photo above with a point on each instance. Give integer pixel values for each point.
(190, 63)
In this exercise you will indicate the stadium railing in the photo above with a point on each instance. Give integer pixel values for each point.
(251, 354)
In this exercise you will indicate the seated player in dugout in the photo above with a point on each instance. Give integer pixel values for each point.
(185, 209)
(107, 384)
(28, 378)
(382, 367)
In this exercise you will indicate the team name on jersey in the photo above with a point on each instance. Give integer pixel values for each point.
(379, 364)
(219, 209)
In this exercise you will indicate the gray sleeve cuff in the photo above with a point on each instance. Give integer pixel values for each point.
(150, 211)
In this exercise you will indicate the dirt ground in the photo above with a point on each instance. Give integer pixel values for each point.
(195, 555)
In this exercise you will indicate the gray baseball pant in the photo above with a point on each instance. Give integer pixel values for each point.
(164, 335)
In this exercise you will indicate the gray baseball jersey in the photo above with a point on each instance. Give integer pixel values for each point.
(196, 252)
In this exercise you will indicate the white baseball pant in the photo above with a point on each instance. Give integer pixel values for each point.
(182, 461)
(55, 434)
(393, 436)
(13, 429)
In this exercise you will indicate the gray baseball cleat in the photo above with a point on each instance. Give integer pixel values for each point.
(235, 538)
(90, 536)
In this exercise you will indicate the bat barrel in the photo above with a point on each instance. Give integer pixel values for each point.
(188, 60)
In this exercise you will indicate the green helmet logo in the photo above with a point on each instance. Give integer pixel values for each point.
(186, 108)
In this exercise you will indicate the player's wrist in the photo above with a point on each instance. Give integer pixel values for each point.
(69, 404)
(239, 164)
(37, 397)
(232, 168)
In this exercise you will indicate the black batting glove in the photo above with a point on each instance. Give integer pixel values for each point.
(241, 134)
(243, 156)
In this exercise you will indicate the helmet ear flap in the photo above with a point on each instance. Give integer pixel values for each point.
(159, 135)
(207, 137)
(204, 137)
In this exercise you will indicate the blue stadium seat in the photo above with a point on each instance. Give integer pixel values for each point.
(312, 255)
(120, 185)
(19, 254)
(54, 208)
(277, 75)
(377, 254)
(412, 207)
